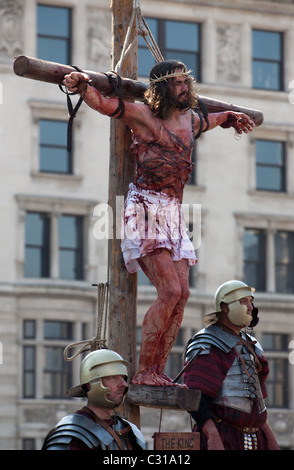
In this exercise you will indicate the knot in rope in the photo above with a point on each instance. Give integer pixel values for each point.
(98, 341)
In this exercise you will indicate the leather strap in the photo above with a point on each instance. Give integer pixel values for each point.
(107, 427)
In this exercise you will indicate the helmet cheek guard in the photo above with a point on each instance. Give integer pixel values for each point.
(238, 314)
(98, 394)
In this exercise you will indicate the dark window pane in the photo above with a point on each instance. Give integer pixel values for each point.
(57, 373)
(29, 329)
(266, 75)
(269, 179)
(276, 383)
(269, 152)
(53, 49)
(182, 36)
(53, 132)
(176, 40)
(58, 330)
(146, 62)
(254, 258)
(54, 160)
(267, 55)
(36, 245)
(275, 342)
(54, 30)
(71, 247)
(267, 45)
(270, 165)
(54, 156)
(190, 60)
(284, 254)
(29, 371)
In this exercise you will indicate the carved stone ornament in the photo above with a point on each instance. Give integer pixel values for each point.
(11, 28)
(98, 37)
(228, 53)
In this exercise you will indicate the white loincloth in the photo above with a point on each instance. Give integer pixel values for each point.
(154, 220)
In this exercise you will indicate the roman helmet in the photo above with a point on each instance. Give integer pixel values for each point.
(96, 365)
(230, 293)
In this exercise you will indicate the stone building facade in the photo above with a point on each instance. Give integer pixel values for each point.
(243, 54)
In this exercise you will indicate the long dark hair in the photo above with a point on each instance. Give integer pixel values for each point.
(158, 96)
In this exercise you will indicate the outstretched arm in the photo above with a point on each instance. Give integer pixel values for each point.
(137, 116)
(240, 121)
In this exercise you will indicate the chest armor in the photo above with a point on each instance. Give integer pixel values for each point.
(241, 386)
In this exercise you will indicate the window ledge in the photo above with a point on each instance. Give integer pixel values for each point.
(271, 194)
(57, 176)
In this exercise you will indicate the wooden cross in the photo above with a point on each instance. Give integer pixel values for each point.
(122, 285)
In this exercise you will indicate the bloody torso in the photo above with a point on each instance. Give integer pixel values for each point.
(163, 165)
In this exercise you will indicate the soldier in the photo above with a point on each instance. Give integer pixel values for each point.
(230, 372)
(164, 129)
(103, 375)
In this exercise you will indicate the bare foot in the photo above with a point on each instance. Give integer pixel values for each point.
(150, 377)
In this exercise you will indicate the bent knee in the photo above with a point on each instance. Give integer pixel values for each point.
(171, 293)
(185, 293)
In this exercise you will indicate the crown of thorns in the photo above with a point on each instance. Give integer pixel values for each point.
(169, 75)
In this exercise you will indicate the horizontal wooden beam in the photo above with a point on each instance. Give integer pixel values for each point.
(173, 398)
(53, 72)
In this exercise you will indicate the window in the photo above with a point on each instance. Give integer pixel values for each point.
(267, 56)
(270, 165)
(176, 40)
(254, 258)
(54, 33)
(284, 262)
(37, 227)
(276, 346)
(268, 257)
(54, 156)
(40, 231)
(56, 374)
(29, 365)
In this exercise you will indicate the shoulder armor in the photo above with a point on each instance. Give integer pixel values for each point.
(90, 433)
(76, 426)
(211, 336)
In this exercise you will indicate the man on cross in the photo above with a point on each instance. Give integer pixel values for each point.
(163, 128)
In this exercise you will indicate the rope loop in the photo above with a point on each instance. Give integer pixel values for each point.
(99, 340)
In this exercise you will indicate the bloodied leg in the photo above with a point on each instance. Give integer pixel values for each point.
(163, 320)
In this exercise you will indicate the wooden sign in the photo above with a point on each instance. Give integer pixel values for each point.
(176, 440)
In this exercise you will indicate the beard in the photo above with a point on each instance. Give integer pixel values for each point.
(178, 102)
(183, 104)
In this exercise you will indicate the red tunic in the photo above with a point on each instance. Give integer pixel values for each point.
(207, 373)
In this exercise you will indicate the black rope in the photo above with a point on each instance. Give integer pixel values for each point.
(203, 113)
(116, 83)
(72, 111)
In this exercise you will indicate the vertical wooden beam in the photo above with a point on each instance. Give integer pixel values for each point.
(122, 285)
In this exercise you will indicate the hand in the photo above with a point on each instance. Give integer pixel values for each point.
(75, 81)
(240, 121)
